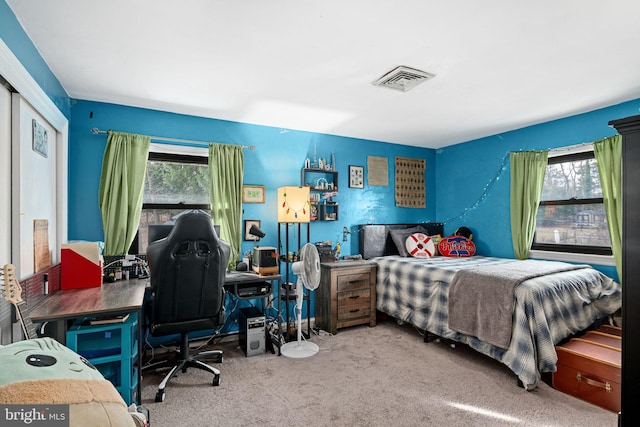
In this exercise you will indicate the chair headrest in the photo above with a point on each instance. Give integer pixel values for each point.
(193, 226)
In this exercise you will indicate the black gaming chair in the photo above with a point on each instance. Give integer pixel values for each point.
(187, 294)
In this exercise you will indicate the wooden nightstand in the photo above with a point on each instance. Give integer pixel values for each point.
(346, 295)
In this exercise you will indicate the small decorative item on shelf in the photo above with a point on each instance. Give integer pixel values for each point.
(314, 212)
(315, 158)
(322, 184)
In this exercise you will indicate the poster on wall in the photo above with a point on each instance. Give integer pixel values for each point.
(378, 171)
(410, 184)
(40, 139)
(356, 176)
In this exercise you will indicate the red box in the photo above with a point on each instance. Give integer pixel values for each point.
(81, 266)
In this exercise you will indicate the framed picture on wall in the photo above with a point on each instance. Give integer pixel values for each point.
(253, 194)
(247, 226)
(356, 176)
(40, 139)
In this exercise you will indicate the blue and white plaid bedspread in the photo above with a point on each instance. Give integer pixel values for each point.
(547, 309)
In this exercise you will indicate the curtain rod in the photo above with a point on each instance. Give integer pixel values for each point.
(97, 131)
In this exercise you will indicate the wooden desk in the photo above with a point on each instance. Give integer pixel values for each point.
(123, 296)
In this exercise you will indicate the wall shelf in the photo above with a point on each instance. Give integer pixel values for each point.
(323, 186)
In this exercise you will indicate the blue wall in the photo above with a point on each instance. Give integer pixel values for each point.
(16, 39)
(276, 161)
(465, 171)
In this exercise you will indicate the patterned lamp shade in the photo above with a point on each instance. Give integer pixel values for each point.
(293, 204)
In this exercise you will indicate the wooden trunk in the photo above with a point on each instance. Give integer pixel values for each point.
(606, 340)
(589, 369)
(611, 330)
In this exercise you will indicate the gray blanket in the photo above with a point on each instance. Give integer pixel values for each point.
(481, 299)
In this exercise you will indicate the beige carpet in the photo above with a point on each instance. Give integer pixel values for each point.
(381, 376)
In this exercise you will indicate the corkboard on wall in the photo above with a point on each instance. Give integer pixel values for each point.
(41, 254)
(410, 184)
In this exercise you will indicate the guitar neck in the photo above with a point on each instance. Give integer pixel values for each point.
(25, 321)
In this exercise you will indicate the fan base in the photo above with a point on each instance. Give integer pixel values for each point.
(299, 350)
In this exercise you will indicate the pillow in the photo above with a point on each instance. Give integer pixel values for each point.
(399, 237)
(419, 245)
(436, 241)
(456, 246)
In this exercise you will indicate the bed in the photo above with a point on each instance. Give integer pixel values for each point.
(546, 308)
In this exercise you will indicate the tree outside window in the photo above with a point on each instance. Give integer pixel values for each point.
(173, 185)
(571, 216)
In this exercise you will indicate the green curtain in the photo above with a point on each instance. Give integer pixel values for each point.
(121, 189)
(527, 177)
(226, 170)
(608, 153)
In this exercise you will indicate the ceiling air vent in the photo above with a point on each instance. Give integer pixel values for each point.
(403, 78)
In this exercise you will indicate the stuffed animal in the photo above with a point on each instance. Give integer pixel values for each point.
(42, 371)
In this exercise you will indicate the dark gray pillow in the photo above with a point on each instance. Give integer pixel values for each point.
(399, 237)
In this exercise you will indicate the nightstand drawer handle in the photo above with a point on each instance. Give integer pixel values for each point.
(354, 297)
(354, 310)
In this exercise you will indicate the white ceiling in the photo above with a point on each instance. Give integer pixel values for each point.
(309, 64)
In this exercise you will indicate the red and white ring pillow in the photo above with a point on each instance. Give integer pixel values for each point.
(420, 245)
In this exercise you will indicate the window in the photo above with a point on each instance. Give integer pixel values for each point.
(571, 216)
(174, 183)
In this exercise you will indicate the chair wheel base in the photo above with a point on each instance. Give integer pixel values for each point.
(160, 395)
(216, 380)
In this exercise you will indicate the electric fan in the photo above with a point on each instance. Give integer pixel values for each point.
(308, 272)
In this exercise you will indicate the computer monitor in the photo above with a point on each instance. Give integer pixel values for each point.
(160, 231)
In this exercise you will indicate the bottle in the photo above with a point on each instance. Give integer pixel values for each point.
(45, 284)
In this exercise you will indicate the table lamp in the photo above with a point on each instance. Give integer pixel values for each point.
(254, 230)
